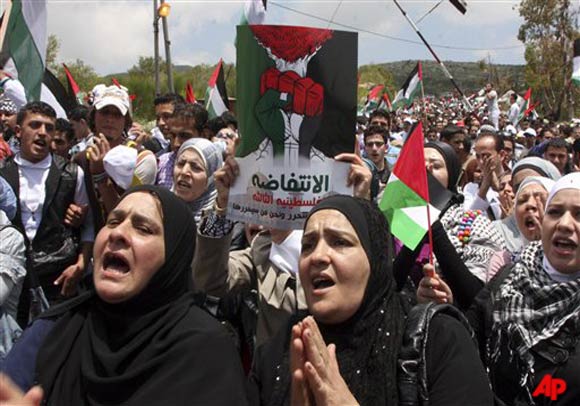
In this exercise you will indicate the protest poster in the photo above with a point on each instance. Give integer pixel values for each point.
(296, 110)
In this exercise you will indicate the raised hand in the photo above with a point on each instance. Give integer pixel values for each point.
(96, 153)
(321, 369)
(432, 288)
(359, 175)
(300, 394)
(224, 178)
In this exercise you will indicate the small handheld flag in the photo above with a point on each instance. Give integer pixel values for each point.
(405, 201)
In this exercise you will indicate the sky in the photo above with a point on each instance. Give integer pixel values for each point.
(110, 35)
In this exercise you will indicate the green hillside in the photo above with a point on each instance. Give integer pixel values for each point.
(470, 76)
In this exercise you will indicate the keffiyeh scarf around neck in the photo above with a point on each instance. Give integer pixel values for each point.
(530, 307)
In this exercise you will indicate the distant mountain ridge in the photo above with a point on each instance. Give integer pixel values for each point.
(470, 76)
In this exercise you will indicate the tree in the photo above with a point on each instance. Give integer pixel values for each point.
(52, 48)
(84, 75)
(146, 66)
(548, 32)
(371, 75)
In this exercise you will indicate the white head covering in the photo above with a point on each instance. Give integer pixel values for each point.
(127, 167)
(546, 183)
(570, 181)
(112, 96)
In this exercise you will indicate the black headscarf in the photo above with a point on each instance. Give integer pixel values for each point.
(451, 162)
(367, 343)
(143, 351)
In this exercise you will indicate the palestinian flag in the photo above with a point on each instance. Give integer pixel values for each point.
(216, 97)
(576, 71)
(73, 89)
(62, 97)
(406, 195)
(525, 106)
(373, 99)
(288, 75)
(385, 103)
(254, 12)
(23, 37)
(410, 89)
(189, 94)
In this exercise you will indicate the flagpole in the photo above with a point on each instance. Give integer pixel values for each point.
(424, 102)
(439, 61)
(430, 233)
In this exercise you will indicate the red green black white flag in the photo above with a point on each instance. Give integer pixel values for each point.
(373, 99)
(216, 97)
(406, 195)
(411, 88)
(189, 94)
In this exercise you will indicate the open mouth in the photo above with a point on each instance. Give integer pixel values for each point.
(565, 244)
(322, 282)
(115, 263)
(530, 223)
(183, 184)
(40, 142)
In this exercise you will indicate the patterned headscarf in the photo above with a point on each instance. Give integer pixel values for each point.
(7, 105)
(530, 306)
(211, 155)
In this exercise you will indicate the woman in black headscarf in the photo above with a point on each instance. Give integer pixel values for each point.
(463, 241)
(138, 338)
(346, 351)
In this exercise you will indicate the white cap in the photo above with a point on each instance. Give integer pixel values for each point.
(530, 132)
(510, 129)
(111, 96)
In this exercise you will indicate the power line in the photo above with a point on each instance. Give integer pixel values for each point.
(385, 36)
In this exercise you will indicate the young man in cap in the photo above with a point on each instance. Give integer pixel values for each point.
(109, 120)
(46, 185)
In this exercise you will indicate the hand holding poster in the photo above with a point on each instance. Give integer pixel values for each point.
(296, 91)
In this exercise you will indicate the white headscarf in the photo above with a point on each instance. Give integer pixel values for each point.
(546, 183)
(570, 181)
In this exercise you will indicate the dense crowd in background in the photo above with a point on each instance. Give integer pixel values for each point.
(124, 281)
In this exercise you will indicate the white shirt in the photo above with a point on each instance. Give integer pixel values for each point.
(158, 135)
(491, 101)
(472, 200)
(32, 179)
(12, 266)
(286, 255)
(513, 113)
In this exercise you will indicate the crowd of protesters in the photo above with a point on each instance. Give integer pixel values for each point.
(124, 282)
